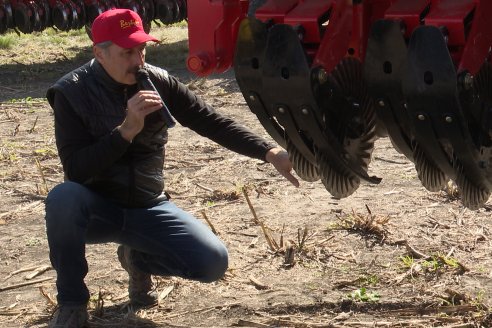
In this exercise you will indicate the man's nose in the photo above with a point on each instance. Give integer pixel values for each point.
(139, 59)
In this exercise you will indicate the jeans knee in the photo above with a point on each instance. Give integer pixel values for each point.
(63, 199)
(63, 207)
(215, 265)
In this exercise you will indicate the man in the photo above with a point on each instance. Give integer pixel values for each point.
(110, 137)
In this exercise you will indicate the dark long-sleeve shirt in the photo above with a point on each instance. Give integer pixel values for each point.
(88, 151)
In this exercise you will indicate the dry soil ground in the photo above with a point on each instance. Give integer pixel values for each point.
(307, 260)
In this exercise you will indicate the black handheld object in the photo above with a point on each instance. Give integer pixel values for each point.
(145, 83)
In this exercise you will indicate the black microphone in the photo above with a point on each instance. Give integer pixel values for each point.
(145, 83)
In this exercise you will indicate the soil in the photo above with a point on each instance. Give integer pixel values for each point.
(390, 255)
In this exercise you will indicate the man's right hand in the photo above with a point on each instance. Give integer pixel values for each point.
(138, 107)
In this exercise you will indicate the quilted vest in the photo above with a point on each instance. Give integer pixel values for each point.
(136, 179)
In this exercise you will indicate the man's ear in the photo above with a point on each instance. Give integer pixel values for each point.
(98, 53)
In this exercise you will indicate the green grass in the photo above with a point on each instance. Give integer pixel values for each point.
(173, 49)
(8, 41)
(363, 295)
(369, 280)
(79, 32)
(27, 100)
(50, 46)
(407, 261)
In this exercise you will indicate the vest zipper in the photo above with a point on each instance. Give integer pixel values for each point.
(131, 166)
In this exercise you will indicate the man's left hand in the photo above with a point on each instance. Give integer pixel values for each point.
(280, 160)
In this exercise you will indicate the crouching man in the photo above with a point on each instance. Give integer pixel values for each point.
(110, 136)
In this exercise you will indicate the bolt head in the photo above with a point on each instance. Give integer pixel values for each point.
(322, 76)
(281, 110)
(468, 81)
(421, 117)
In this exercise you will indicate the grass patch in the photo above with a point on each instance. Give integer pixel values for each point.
(431, 265)
(7, 41)
(9, 152)
(53, 47)
(407, 261)
(30, 101)
(37, 50)
(173, 49)
(363, 295)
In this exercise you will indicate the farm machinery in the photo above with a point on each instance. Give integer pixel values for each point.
(29, 16)
(326, 78)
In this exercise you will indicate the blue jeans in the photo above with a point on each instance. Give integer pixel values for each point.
(170, 241)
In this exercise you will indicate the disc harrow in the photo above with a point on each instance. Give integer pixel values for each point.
(28, 16)
(327, 121)
(418, 72)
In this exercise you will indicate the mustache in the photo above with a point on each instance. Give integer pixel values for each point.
(134, 70)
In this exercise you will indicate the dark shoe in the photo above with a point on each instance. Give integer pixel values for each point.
(67, 316)
(140, 283)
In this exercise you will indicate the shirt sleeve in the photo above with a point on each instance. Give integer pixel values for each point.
(192, 112)
(82, 155)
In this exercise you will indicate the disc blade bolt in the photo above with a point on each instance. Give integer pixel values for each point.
(322, 76)
(421, 117)
(405, 105)
(281, 110)
(252, 98)
(381, 103)
(305, 111)
(445, 33)
(468, 81)
(448, 119)
(403, 28)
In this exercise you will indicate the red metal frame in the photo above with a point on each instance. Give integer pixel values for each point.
(213, 27)
(275, 10)
(479, 39)
(212, 33)
(337, 36)
(409, 12)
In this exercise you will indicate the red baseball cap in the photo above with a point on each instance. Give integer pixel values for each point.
(121, 26)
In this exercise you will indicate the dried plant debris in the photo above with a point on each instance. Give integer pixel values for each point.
(216, 195)
(368, 225)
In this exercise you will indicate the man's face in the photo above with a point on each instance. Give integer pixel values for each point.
(121, 63)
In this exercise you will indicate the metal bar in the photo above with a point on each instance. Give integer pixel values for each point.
(212, 34)
(275, 10)
(479, 39)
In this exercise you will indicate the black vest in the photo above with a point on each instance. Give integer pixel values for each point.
(136, 179)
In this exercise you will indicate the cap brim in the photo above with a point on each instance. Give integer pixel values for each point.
(134, 39)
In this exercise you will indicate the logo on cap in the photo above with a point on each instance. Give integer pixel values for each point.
(126, 24)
